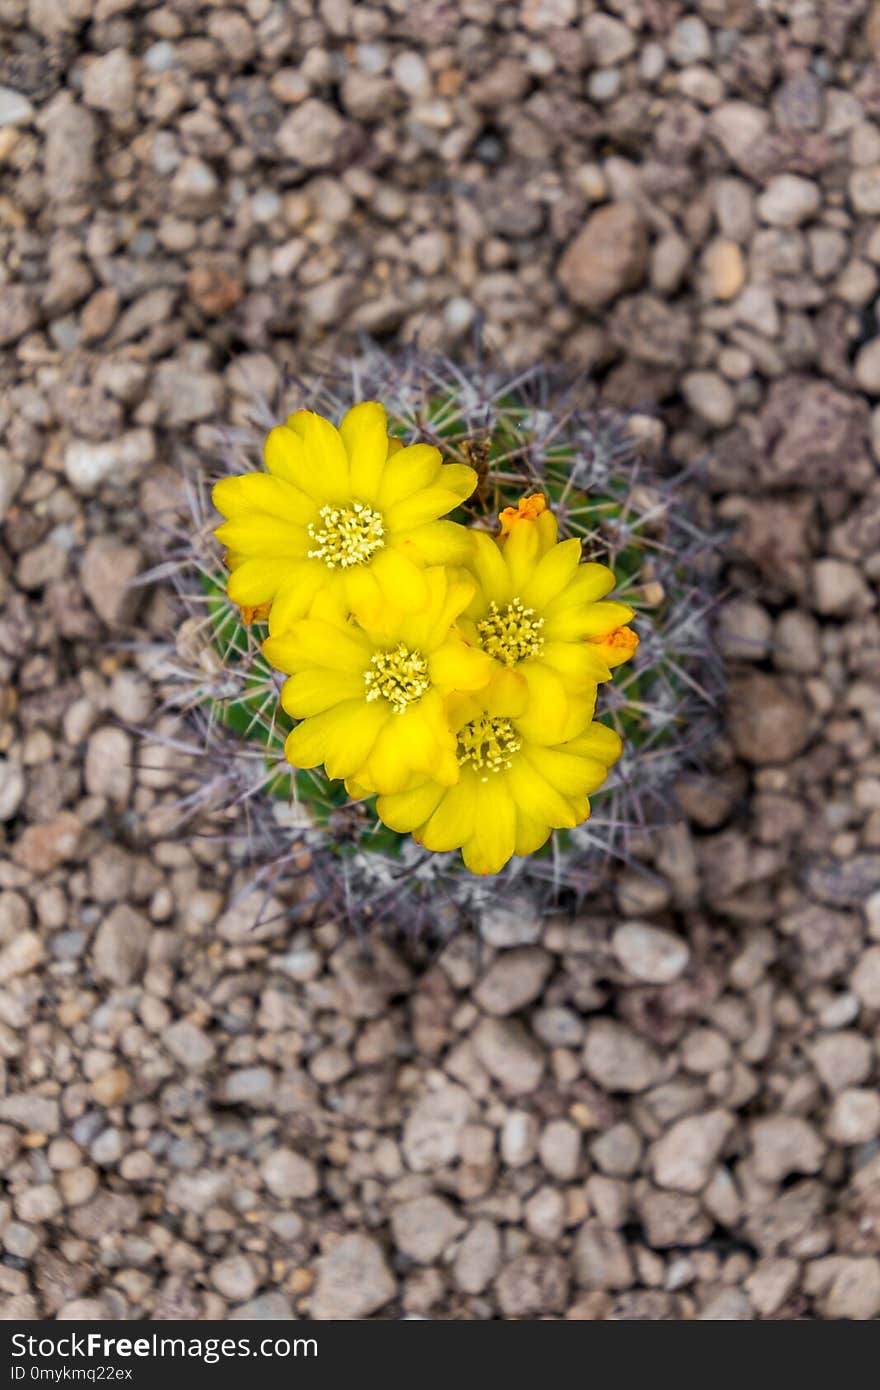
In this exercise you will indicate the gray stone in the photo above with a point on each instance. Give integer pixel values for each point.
(311, 134)
(423, 1227)
(600, 1258)
(650, 953)
(15, 109)
(88, 464)
(432, 1132)
(510, 1054)
(618, 1059)
(785, 1144)
(290, 1175)
(19, 313)
(353, 1280)
(119, 952)
(684, 1157)
(478, 1258)
(513, 980)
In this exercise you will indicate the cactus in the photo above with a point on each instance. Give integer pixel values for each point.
(522, 433)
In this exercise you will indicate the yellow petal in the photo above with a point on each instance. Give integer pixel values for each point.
(554, 571)
(309, 692)
(428, 504)
(506, 694)
(521, 553)
(590, 583)
(402, 582)
(409, 470)
(548, 702)
(535, 796)
(406, 811)
(364, 431)
(325, 455)
(257, 581)
(402, 749)
(260, 492)
(285, 458)
(311, 642)
(616, 646)
(491, 572)
(571, 775)
(494, 837)
(266, 536)
(439, 542)
(577, 663)
(458, 667)
(598, 741)
(296, 595)
(363, 594)
(531, 834)
(591, 620)
(453, 821)
(341, 738)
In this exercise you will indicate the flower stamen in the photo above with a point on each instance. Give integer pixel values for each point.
(399, 676)
(349, 536)
(488, 744)
(512, 633)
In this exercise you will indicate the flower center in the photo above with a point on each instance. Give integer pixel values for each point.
(399, 676)
(488, 744)
(511, 633)
(349, 536)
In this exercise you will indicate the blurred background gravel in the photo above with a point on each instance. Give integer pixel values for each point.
(667, 1109)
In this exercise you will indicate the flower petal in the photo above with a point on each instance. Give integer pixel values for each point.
(534, 795)
(531, 834)
(257, 580)
(428, 504)
(263, 535)
(364, 431)
(316, 689)
(571, 775)
(341, 738)
(311, 642)
(296, 595)
(259, 492)
(326, 457)
(459, 667)
(406, 811)
(590, 620)
(576, 662)
(491, 572)
(363, 594)
(590, 583)
(554, 571)
(598, 741)
(453, 821)
(285, 458)
(494, 839)
(401, 581)
(409, 470)
(439, 542)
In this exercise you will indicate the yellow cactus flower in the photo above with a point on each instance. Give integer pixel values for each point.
(372, 698)
(519, 778)
(538, 612)
(346, 510)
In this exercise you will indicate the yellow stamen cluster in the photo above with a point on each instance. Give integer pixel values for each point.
(512, 633)
(488, 744)
(399, 676)
(349, 536)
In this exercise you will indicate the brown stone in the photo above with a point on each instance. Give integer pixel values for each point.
(768, 724)
(608, 256)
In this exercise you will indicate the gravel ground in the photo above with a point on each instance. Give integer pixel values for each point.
(666, 1109)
